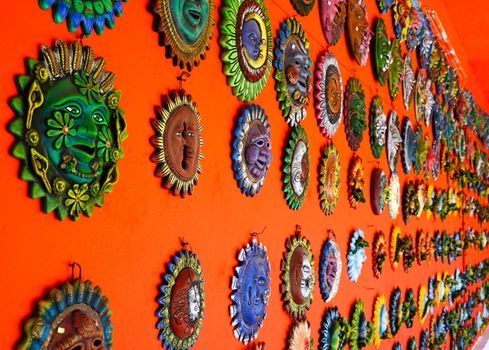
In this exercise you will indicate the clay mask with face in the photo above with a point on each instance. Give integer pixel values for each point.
(334, 93)
(258, 150)
(300, 168)
(301, 278)
(75, 132)
(251, 38)
(190, 18)
(256, 289)
(77, 331)
(185, 303)
(296, 64)
(182, 139)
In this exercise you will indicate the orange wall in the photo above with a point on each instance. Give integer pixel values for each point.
(125, 246)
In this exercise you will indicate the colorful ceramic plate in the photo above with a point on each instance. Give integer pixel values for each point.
(296, 168)
(355, 113)
(329, 179)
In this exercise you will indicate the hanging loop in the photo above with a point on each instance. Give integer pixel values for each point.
(185, 245)
(73, 265)
(182, 78)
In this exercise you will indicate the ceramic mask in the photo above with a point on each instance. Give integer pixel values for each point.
(328, 94)
(329, 179)
(334, 330)
(77, 329)
(383, 54)
(185, 28)
(87, 15)
(246, 42)
(355, 113)
(75, 316)
(303, 7)
(177, 142)
(394, 139)
(251, 149)
(300, 276)
(70, 129)
(362, 331)
(332, 16)
(408, 82)
(378, 126)
(329, 269)
(395, 69)
(379, 254)
(300, 336)
(251, 291)
(292, 65)
(356, 255)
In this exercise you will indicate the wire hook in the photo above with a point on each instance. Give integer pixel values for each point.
(185, 245)
(182, 78)
(73, 265)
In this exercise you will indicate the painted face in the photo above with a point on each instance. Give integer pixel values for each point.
(331, 270)
(296, 65)
(75, 133)
(330, 178)
(357, 25)
(380, 126)
(182, 138)
(251, 37)
(334, 93)
(185, 303)
(301, 279)
(258, 155)
(190, 18)
(193, 302)
(256, 290)
(300, 168)
(77, 331)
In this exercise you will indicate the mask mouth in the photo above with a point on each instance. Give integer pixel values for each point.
(90, 151)
(194, 13)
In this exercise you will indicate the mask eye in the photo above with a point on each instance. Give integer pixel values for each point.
(73, 110)
(98, 117)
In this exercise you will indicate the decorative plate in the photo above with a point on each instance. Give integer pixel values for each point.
(383, 55)
(246, 42)
(401, 13)
(356, 254)
(379, 191)
(178, 143)
(292, 71)
(185, 29)
(379, 253)
(76, 313)
(68, 128)
(422, 304)
(381, 320)
(408, 82)
(421, 247)
(410, 202)
(181, 302)
(395, 69)
(378, 126)
(425, 46)
(423, 339)
(329, 179)
(409, 308)
(298, 275)
(394, 195)
(330, 267)
(361, 330)
(408, 255)
(358, 31)
(409, 145)
(396, 247)
(421, 151)
(251, 290)
(328, 94)
(303, 7)
(395, 311)
(393, 141)
(332, 14)
(300, 336)
(421, 197)
(334, 330)
(356, 182)
(296, 168)
(355, 113)
(251, 149)
(87, 15)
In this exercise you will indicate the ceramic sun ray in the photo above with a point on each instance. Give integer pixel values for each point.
(68, 128)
